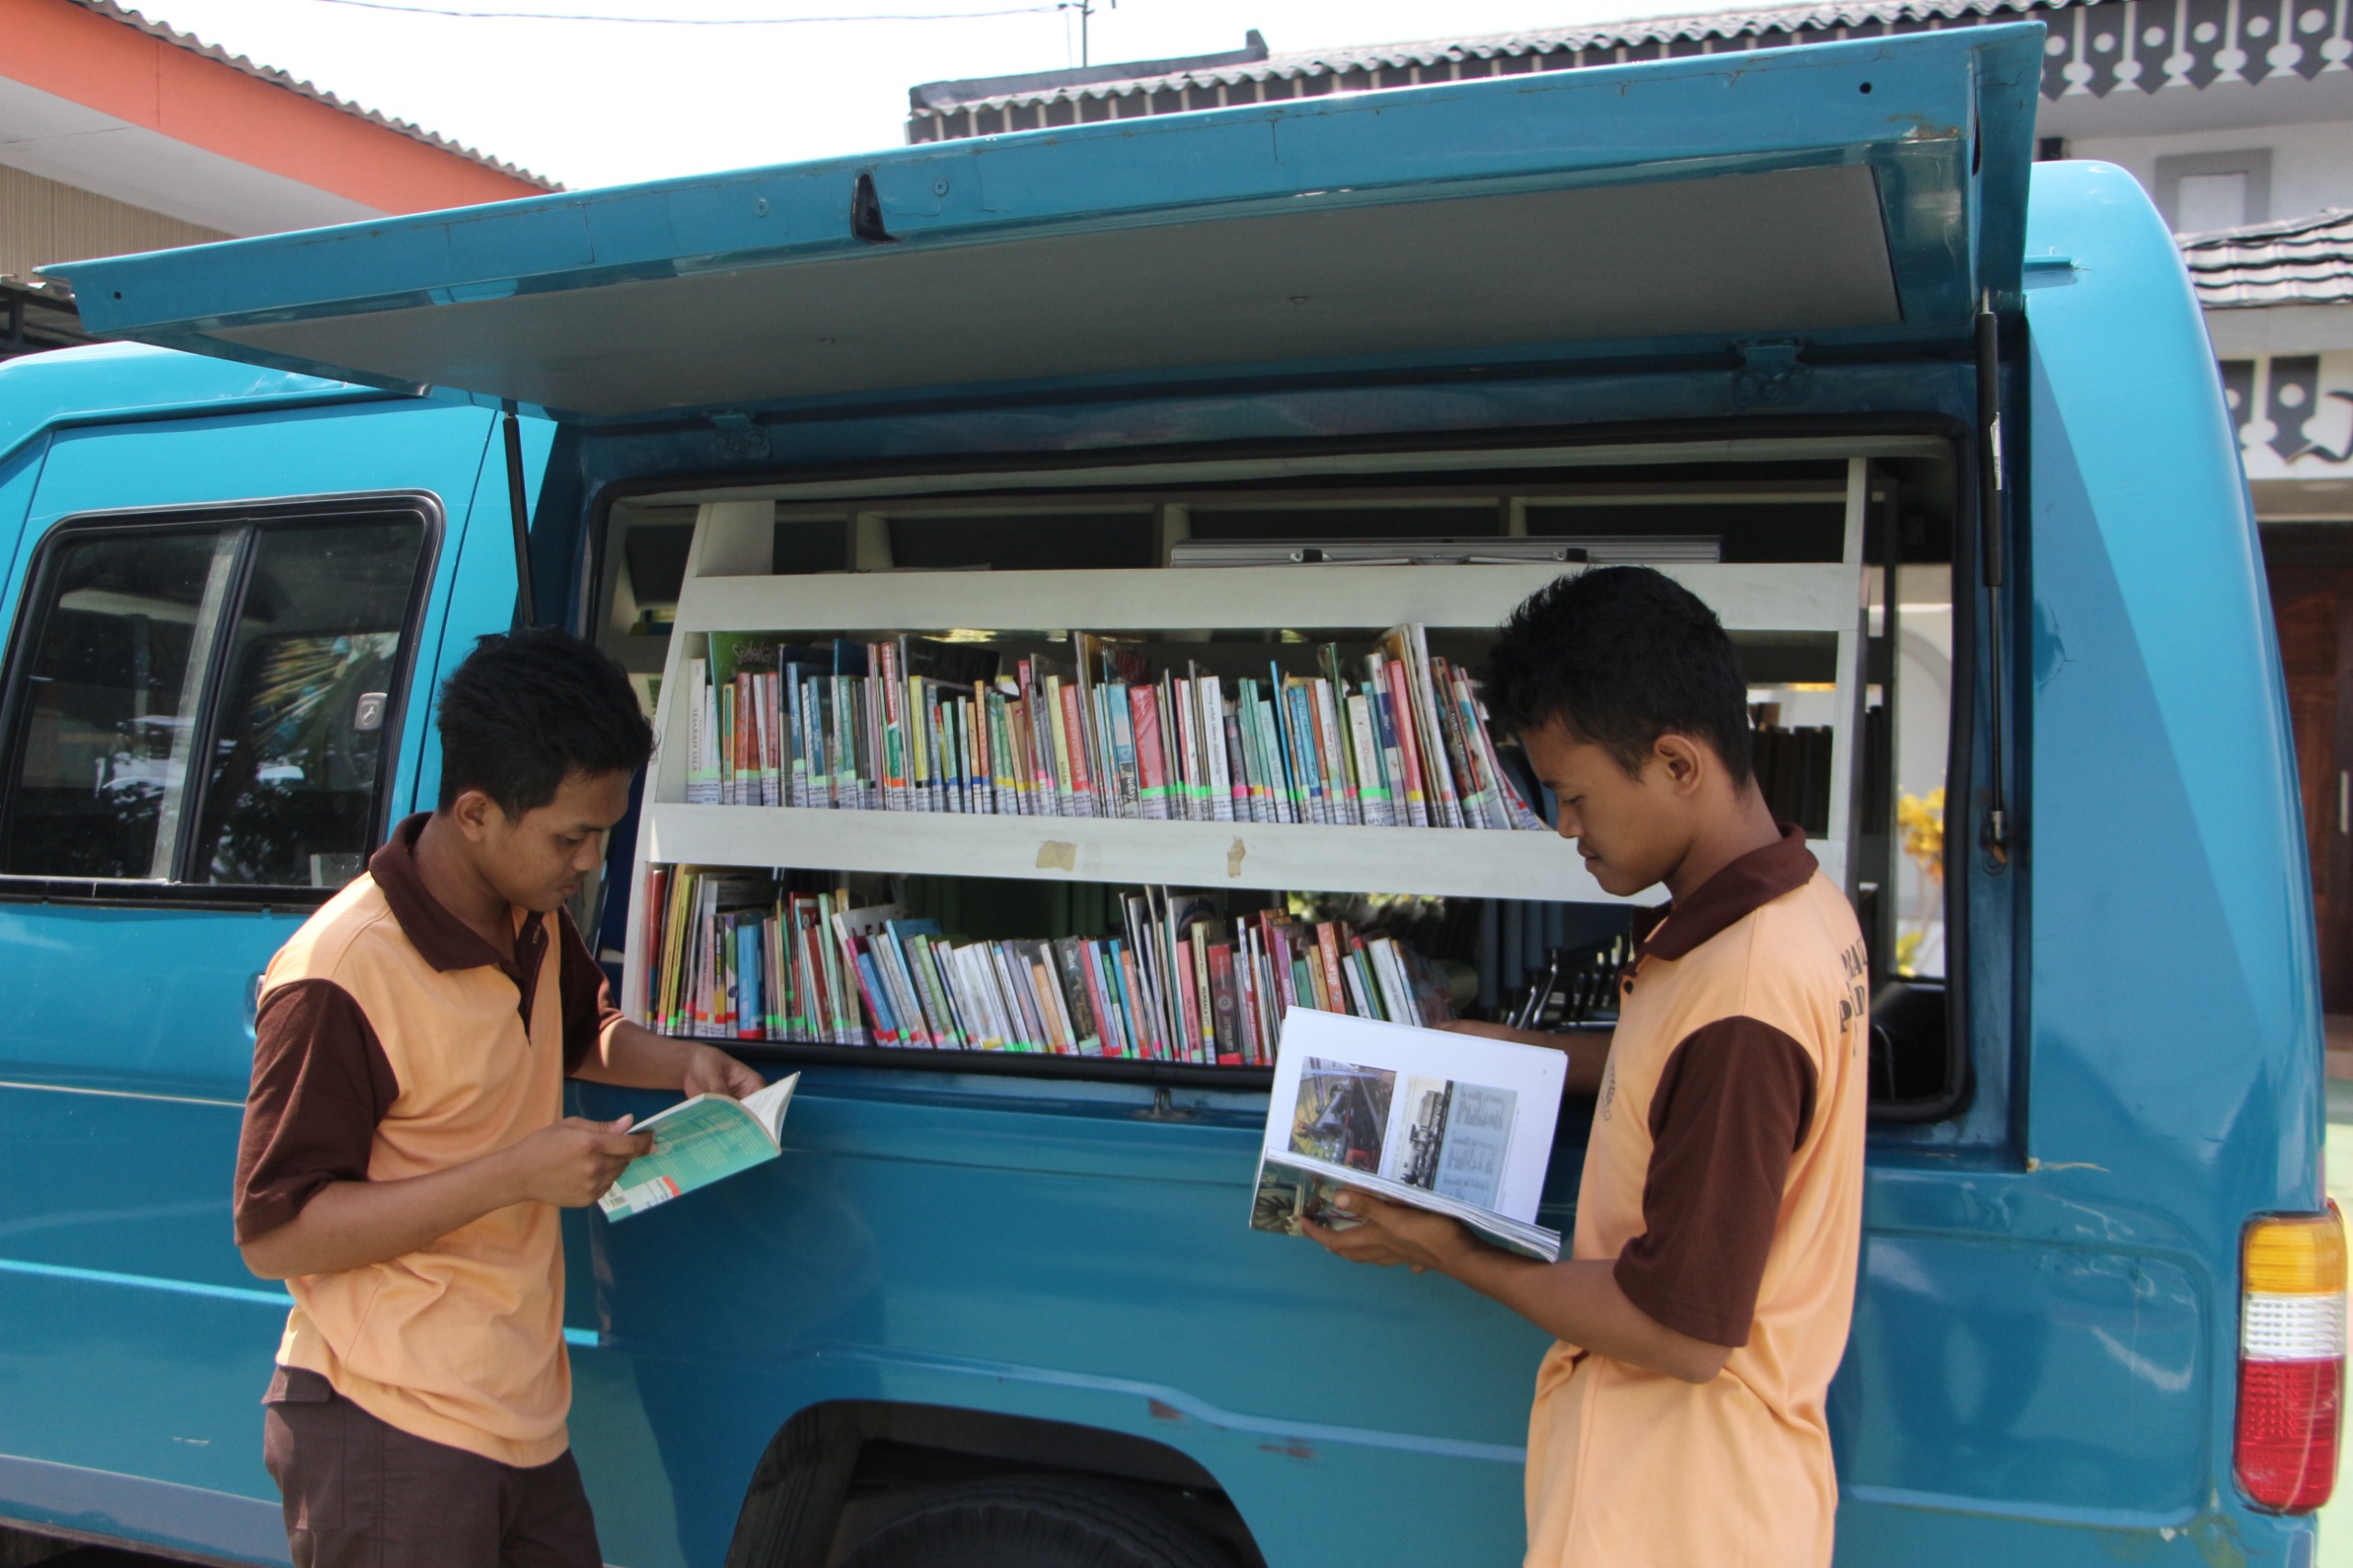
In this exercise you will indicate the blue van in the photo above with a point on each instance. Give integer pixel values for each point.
(1936, 430)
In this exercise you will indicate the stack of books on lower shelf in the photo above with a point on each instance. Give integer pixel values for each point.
(738, 956)
(1394, 738)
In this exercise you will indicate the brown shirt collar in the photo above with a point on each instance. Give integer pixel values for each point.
(1749, 883)
(439, 938)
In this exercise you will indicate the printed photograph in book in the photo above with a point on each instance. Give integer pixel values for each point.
(1343, 1114)
(1456, 1136)
(1288, 1200)
(1286, 1197)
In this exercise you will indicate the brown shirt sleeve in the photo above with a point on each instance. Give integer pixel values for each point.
(321, 1083)
(588, 1009)
(1731, 1109)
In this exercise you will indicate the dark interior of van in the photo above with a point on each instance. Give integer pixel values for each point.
(1548, 964)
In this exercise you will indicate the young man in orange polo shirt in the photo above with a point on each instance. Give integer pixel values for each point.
(406, 1149)
(1704, 1303)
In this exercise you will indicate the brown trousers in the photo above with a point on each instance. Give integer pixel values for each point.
(360, 1494)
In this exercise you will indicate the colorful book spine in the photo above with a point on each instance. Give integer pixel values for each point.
(1151, 765)
(702, 741)
(1408, 744)
(1372, 784)
(1082, 778)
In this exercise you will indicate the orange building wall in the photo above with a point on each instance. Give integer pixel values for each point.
(104, 65)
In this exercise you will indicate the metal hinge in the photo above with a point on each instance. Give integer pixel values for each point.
(740, 436)
(1770, 376)
(866, 213)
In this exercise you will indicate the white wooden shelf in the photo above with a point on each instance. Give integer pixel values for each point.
(728, 587)
(1458, 862)
(1747, 597)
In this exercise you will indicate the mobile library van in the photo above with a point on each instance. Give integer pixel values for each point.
(912, 478)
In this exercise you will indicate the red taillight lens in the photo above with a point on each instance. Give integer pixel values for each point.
(2287, 1423)
(2292, 1359)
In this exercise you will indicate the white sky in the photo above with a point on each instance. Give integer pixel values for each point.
(603, 102)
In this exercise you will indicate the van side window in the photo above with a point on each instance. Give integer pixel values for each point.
(1923, 666)
(211, 704)
(291, 798)
(108, 706)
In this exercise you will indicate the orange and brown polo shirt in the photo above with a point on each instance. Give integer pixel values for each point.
(1725, 1178)
(392, 1040)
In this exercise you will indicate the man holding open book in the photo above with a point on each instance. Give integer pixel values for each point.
(405, 1148)
(1703, 1308)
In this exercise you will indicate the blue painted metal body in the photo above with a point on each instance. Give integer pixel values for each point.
(2042, 1368)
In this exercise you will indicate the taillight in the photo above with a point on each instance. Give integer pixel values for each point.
(2292, 1359)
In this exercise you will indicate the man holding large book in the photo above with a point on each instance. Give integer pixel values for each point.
(404, 1148)
(1704, 1305)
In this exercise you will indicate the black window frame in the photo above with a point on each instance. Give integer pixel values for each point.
(24, 636)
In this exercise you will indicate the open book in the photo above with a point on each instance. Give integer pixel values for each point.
(698, 1141)
(1458, 1124)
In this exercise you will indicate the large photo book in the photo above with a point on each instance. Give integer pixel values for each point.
(1457, 1124)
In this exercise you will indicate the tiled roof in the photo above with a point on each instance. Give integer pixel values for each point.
(276, 78)
(1388, 59)
(2301, 261)
(938, 97)
(2096, 46)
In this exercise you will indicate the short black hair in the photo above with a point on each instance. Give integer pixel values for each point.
(1621, 656)
(527, 710)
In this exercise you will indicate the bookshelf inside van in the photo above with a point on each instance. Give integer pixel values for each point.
(1016, 710)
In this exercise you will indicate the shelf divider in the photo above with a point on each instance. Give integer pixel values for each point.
(1430, 861)
(1427, 860)
(1747, 597)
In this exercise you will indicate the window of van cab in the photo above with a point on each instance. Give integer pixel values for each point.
(211, 697)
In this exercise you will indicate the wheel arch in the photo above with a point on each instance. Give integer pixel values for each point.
(841, 1460)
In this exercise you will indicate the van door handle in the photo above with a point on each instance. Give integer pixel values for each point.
(2344, 802)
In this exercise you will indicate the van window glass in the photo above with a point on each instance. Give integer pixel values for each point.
(290, 797)
(1923, 660)
(209, 703)
(108, 713)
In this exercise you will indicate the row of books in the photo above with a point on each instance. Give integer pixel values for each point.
(735, 956)
(1396, 738)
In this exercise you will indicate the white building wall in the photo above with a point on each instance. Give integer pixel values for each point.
(2312, 163)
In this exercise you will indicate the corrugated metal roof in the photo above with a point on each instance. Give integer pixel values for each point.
(2299, 261)
(938, 97)
(2096, 47)
(276, 78)
(1521, 50)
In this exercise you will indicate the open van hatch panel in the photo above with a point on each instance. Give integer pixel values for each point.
(1859, 193)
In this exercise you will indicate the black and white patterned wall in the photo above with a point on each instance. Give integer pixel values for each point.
(2149, 45)
(2293, 414)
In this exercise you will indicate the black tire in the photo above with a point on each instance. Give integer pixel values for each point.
(1033, 1522)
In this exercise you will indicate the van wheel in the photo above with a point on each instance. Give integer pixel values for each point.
(1019, 1522)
